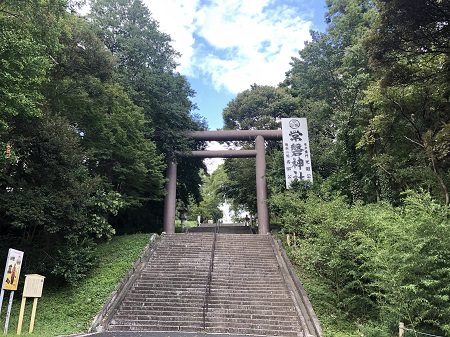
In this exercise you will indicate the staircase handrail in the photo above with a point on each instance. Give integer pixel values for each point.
(209, 279)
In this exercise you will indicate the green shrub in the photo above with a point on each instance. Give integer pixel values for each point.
(372, 263)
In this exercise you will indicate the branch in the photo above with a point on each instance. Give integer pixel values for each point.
(410, 121)
(415, 142)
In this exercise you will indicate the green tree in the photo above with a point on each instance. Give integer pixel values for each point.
(410, 100)
(371, 263)
(111, 127)
(212, 196)
(240, 188)
(78, 149)
(50, 199)
(260, 107)
(330, 78)
(146, 64)
(146, 67)
(408, 263)
(25, 45)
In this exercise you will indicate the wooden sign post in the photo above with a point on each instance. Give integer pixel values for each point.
(34, 284)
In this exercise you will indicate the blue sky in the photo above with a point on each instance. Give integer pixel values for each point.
(227, 45)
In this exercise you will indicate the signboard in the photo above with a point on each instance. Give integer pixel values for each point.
(297, 157)
(33, 285)
(12, 269)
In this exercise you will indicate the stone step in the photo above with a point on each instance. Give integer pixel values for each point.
(225, 301)
(254, 331)
(246, 321)
(246, 302)
(148, 297)
(185, 299)
(246, 278)
(211, 315)
(235, 258)
(186, 327)
(173, 273)
(242, 311)
(164, 270)
(161, 309)
(243, 285)
(220, 260)
(161, 321)
(145, 319)
(193, 260)
(169, 274)
(131, 306)
(245, 271)
(250, 244)
(270, 324)
(247, 292)
(168, 287)
(217, 287)
(157, 284)
(197, 328)
(168, 292)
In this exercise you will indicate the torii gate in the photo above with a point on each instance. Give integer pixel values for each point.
(259, 136)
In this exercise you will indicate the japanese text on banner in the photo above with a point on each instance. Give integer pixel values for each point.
(297, 159)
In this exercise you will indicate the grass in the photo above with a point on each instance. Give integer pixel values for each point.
(70, 309)
(187, 224)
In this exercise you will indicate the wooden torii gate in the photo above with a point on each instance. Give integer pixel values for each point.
(259, 136)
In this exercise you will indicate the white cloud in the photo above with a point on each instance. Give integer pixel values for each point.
(239, 42)
(177, 18)
(213, 163)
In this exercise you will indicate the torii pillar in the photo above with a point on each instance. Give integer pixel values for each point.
(261, 186)
(170, 200)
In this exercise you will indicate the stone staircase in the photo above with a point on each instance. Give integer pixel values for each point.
(236, 288)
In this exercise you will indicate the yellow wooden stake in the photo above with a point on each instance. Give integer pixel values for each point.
(33, 314)
(22, 311)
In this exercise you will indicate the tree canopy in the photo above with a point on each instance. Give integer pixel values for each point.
(91, 107)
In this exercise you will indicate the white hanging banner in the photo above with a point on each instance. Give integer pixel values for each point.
(297, 157)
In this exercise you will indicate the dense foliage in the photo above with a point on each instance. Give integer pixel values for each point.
(87, 110)
(373, 264)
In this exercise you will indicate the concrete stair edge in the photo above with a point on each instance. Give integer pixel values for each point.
(307, 316)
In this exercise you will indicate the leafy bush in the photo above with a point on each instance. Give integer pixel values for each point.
(410, 266)
(372, 262)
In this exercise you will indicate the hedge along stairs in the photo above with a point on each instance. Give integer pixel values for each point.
(240, 284)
